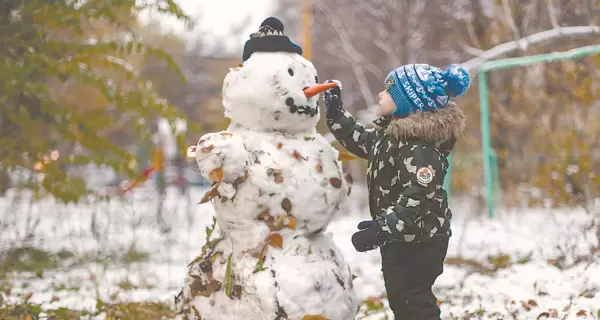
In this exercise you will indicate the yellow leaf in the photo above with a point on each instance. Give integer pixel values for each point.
(216, 175)
(313, 317)
(275, 240)
(292, 222)
(319, 167)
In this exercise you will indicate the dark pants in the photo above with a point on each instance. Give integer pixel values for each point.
(409, 271)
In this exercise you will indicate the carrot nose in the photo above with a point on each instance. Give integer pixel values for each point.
(316, 89)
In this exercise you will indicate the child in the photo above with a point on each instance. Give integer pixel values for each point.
(407, 165)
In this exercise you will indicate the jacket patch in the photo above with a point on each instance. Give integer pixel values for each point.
(424, 175)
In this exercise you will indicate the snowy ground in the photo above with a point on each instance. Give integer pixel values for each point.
(524, 246)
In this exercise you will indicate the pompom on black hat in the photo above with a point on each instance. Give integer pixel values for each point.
(269, 38)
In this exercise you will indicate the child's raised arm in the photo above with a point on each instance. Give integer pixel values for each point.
(351, 134)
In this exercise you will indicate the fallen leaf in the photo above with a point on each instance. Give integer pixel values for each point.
(343, 155)
(279, 223)
(276, 174)
(319, 167)
(314, 317)
(201, 141)
(216, 175)
(286, 204)
(27, 296)
(532, 303)
(255, 252)
(228, 277)
(298, 156)
(212, 193)
(335, 182)
(292, 222)
(28, 317)
(226, 134)
(279, 145)
(241, 179)
(264, 215)
(54, 299)
(236, 291)
(207, 149)
(581, 313)
(214, 285)
(275, 240)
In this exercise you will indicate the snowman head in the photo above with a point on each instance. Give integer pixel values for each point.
(275, 88)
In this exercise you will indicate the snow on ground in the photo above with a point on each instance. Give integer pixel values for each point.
(531, 287)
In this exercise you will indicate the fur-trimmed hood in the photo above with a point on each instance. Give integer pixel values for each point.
(437, 127)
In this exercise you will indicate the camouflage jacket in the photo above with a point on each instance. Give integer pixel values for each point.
(406, 168)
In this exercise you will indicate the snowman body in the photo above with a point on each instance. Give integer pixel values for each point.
(278, 184)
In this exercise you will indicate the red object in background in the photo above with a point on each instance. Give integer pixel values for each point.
(145, 176)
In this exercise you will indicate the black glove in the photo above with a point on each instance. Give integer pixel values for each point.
(333, 99)
(370, 236)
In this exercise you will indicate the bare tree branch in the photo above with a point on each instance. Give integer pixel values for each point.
(349, 49)
(544, 36)
(552, 14)
(473, 51)
(509, 19)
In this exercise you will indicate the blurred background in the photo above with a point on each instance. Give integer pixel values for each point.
(99, 101)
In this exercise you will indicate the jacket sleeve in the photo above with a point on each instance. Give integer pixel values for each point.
(421, 171)
(352, 135)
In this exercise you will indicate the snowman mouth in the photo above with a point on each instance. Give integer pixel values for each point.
(301, 109)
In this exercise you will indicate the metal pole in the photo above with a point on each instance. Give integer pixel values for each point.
(306, 28)
(486, 142)
(547, 57)
(490, 163)
(448, 179)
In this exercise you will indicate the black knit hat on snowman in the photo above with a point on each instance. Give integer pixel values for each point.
(269, 38)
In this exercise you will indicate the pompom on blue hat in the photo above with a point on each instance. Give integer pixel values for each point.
(421, 87)
(269, 38)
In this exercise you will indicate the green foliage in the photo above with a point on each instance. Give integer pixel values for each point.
(29, 259)
(124, 310)
(50, 46)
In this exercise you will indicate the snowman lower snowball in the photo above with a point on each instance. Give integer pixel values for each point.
(277, 186)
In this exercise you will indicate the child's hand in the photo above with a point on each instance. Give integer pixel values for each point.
(371, 236)
(333, 98)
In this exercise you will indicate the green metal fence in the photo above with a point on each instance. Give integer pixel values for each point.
(490, 164)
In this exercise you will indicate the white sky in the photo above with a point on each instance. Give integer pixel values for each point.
(217, 17)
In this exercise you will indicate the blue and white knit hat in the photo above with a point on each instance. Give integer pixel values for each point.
(415, 87)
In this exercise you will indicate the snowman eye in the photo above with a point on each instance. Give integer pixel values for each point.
(316, 79)
(291, 72)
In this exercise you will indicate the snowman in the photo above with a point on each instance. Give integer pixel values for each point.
(277, 184)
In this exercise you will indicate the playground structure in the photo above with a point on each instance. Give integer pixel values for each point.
(490, 163)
